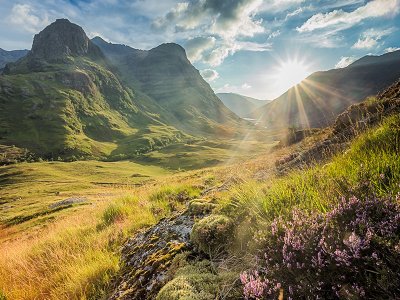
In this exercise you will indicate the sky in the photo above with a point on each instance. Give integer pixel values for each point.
(252, 47)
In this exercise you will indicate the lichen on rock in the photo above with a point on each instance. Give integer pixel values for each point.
(147, 256)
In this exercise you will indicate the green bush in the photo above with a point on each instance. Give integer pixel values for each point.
(200, 207)
(198, 281)
(213, 234)
(2, 296)
(113, 213)
(176, 193)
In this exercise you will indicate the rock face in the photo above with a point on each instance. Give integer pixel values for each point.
(60, 40)
(147, 257)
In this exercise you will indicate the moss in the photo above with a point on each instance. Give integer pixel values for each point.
(213, 234)
(200, 207)
(197, 281)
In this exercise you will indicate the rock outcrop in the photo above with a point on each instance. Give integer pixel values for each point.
(147, 257)
(60, 40)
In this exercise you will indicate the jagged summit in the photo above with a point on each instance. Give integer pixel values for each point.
(61, 39)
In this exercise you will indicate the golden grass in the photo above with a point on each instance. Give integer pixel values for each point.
(74, 254)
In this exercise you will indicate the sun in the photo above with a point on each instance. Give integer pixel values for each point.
(291, 72)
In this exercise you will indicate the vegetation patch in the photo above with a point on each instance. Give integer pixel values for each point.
(349, 252)
(213, 234)
(197, 280)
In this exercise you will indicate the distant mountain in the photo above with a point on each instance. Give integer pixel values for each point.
(165, 75)
(63, 99)
(10, 56)
(67, 98)
(239, 104)
(318, 99)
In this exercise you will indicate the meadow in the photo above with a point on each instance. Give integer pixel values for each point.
(52, 248)
(73, 252)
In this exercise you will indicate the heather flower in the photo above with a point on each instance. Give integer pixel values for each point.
(329, 255)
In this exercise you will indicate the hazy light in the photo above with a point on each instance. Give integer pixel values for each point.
(291, 72)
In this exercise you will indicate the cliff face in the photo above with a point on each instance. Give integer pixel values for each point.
(60, 40)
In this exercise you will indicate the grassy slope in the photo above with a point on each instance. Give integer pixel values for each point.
(77, 109)
(64, 261)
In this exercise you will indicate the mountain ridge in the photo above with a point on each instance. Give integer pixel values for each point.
(10, 56)
(165, 74)
(240, 104)
(319, 98)
(79, 102)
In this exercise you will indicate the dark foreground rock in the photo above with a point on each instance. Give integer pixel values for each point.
(147, 257)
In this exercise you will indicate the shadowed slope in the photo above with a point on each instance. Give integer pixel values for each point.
(318, 99)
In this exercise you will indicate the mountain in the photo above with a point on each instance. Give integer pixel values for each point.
(318, 99)
(165, 75)
(70, 98)
(239, 104)
(10, 56)
(63, 99)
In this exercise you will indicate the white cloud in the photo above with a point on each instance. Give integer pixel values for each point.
(218, 55)
(391, 49)
(274, 34)
(280, 5)
(225, 23)
(342, 19)
(209, 74)
(225, 48)
(197, 46)
(252, 46)
(23, 15)
(370, 38)
(294, 13)
(345, 61)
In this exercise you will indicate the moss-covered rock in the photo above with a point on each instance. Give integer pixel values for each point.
(199, 280)
(147, 258)
(213, 234)
(199, 207)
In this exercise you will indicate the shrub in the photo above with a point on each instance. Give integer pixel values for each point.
(175, 193)
(212, 234)
(113, 213)
(198, 280)
(351, 252)
(200, 207)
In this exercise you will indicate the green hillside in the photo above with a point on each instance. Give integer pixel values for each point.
(165, 75)
(64, 100)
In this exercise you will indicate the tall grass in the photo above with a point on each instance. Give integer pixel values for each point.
(370, 166)
(77, 258)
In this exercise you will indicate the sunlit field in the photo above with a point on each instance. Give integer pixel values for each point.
(199, 150)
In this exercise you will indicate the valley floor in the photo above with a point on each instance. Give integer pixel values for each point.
(72, 249)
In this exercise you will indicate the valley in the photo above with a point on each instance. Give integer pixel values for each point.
(144, 174)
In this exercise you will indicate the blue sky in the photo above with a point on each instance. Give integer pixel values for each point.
(238, 45)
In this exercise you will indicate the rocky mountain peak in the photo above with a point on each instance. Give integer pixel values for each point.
(61, 39)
